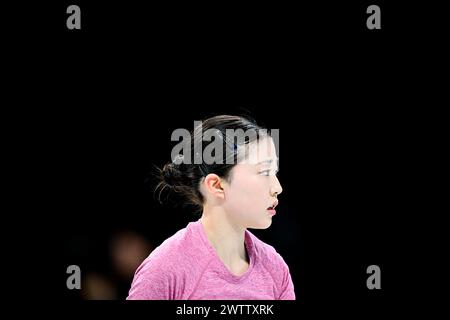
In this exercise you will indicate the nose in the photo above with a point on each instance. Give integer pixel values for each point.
(275, 188)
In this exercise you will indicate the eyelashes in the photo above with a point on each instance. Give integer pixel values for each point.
(267, 172)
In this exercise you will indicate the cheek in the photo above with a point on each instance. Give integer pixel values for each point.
(249, 193)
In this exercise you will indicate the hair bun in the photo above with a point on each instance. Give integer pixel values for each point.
(171, 175)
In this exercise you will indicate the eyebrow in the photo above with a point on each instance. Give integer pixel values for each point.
(269, 161)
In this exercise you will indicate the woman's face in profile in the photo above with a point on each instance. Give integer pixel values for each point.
(254, 186)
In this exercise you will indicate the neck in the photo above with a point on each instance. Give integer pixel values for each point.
(227, 237)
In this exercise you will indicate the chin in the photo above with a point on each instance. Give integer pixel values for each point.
(263, 224)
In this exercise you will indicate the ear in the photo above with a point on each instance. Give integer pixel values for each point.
(213, 185)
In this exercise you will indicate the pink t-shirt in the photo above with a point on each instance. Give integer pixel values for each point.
(186, 267)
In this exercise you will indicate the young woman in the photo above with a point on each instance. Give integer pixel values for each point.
(216, 257)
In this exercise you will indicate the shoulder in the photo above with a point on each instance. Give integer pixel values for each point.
(167, 252)
(172, 266)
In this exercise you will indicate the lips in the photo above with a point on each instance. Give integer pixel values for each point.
(271, 209)
(273, 206)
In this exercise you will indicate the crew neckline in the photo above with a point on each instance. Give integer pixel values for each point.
(223, 269)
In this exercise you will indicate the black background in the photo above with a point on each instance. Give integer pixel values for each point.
(109, 95)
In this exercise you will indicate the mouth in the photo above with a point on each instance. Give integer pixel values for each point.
(271, 209)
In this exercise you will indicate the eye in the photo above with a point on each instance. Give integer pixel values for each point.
(265, 172)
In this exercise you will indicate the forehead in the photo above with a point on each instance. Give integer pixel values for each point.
(260, 152)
